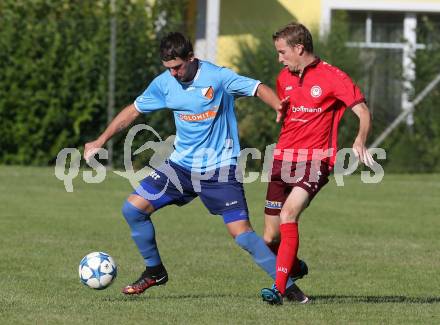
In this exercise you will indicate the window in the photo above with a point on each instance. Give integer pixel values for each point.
(356, 21)
(381, 35)
(390, 34)
(387, 28)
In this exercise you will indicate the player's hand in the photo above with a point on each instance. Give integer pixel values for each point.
(282, 109)
(91, 148)
(361, 152)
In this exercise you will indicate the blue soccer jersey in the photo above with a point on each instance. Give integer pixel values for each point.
(206, 126)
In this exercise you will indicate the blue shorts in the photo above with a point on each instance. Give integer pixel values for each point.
(220, 190)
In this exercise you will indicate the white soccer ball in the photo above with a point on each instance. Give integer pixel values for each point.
(97, 270)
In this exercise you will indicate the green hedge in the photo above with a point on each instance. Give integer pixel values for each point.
(54, 61)
(54, 58)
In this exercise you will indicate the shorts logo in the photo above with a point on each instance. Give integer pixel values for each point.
(288, 88)
(154, 175)
(231, 203)
(316, 91)
(208, 92)
(273, 204)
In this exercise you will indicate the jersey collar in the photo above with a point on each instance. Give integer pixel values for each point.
(310, 65)
(314, 63)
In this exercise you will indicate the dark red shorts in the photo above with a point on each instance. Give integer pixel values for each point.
(309, 175)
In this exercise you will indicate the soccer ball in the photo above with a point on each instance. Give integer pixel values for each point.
(97, 270)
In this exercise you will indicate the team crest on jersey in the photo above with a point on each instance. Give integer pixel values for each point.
(316, 91)
(208, 92)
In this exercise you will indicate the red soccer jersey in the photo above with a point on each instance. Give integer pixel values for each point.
(318, 100)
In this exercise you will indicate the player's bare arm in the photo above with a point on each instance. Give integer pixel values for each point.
(359, 147)
(119, 123)
(267, 95)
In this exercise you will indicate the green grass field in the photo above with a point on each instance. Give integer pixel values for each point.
(373, 253)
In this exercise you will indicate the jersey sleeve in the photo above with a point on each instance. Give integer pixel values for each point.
(236, 85)
(152, 99)
(346, 90)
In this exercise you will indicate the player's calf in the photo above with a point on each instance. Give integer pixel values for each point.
(299, 270)
(142, 232)
(259, 251)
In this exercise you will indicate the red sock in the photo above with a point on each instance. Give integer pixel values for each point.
(286, 254)
(296, 268)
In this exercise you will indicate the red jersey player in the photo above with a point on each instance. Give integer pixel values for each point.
(319, 93)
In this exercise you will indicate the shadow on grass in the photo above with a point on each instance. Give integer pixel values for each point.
(344, 299)
(175, 297)
(319, 299)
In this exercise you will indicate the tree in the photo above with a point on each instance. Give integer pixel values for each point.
(54, 70)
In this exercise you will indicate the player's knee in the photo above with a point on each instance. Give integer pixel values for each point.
(289, 214)
(271, 234)
(133, 214)
(271, 238)
(239, 228)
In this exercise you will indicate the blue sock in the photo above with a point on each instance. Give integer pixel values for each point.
(142, 232)
(259, 251)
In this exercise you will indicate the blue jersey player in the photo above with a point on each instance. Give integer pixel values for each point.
(201, 96)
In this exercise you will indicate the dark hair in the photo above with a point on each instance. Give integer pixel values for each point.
(295, 33)
(175, 45)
